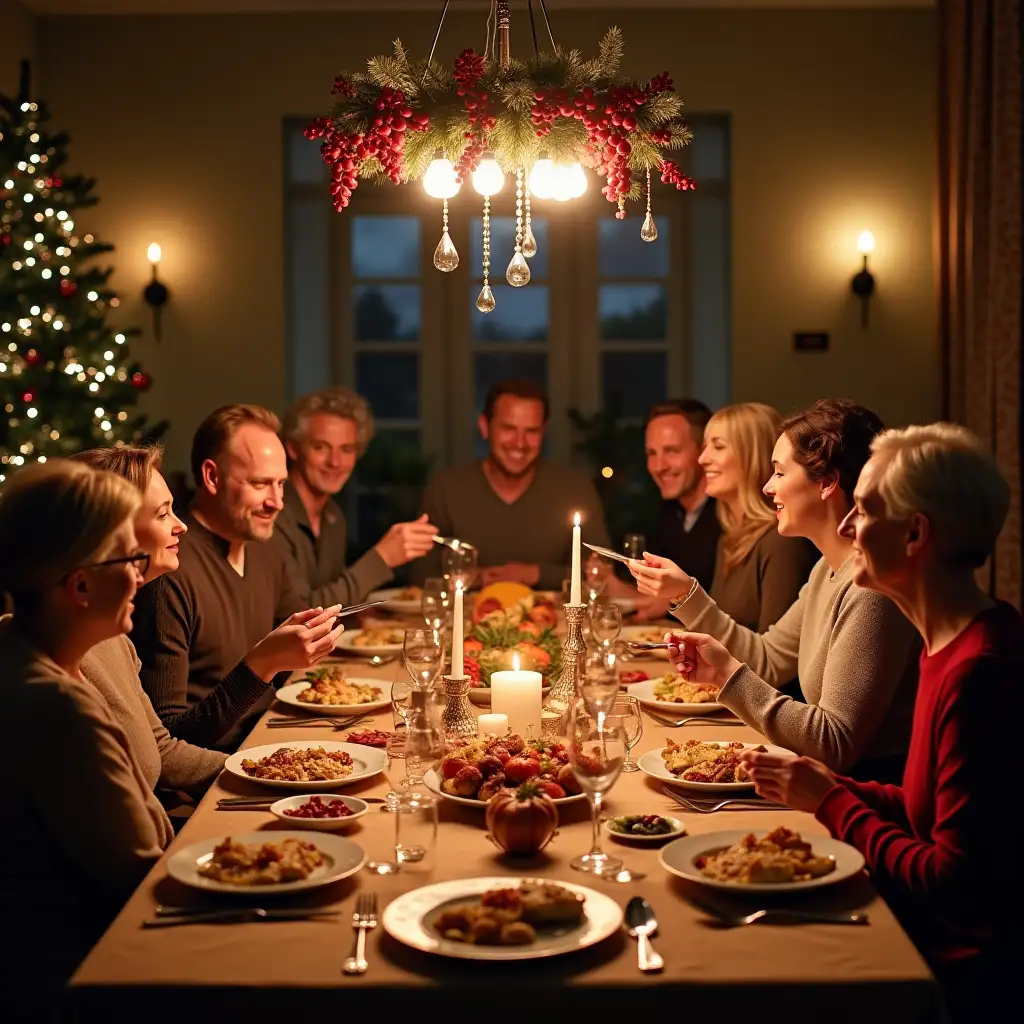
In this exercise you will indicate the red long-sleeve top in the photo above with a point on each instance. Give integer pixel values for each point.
(945, 848)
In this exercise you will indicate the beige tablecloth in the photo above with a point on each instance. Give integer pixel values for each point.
(794, 973)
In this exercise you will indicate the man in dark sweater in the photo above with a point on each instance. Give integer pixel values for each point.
(205, 633)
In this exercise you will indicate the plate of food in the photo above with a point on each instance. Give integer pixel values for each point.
(404, 600)
(325, 812)
(672, 693)
(501, 918)
(480, 768)
(647, 635)
(644, 828)
(777, 861)
(368, 642)
(711, 765)
(304, 765)
(330, 690)
(265, 862)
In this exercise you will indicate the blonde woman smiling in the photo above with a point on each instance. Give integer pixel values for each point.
(758, 572)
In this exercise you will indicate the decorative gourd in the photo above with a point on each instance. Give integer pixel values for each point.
(522, 821)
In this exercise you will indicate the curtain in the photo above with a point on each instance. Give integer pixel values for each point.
(979, 244)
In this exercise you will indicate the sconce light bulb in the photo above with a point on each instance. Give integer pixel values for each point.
(154, 253)
(866, 242)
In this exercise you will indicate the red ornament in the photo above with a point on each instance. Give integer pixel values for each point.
(33, 358)
(67, 287)
(142, 381)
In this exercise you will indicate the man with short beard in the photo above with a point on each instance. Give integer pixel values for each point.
(205, 633)
(515, 507)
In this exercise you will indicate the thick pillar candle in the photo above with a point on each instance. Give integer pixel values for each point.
(492, 725)
(575, 584)
(517, 694)
(458, 667)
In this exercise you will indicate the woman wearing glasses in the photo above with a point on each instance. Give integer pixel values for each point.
(83, 824)
(169, 764)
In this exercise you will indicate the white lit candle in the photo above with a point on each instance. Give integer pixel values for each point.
(574, 575)
(492, 725)
(516, 694)
(458, 668)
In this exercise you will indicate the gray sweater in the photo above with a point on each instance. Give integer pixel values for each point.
(856, 656)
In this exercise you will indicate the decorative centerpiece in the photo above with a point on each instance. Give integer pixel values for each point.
(522, 821)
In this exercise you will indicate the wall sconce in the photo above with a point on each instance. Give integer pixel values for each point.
(155, 293)
(863, 282)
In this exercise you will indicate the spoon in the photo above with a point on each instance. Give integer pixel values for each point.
(640, 924)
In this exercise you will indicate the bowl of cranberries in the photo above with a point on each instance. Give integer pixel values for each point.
(324, 812)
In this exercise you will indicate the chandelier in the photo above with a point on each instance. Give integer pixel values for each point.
(540, 120)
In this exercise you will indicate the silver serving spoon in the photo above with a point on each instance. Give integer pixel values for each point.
(640, 924)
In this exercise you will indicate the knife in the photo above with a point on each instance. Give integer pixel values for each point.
(167, 917)
(352, 609)
(608, 553)
(245, 801)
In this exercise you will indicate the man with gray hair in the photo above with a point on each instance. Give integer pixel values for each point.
(324, 434)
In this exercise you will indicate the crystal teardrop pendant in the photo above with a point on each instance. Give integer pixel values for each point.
(649, 232)
(485, 300)
(446, 256)
(518, 272)
(529, 243)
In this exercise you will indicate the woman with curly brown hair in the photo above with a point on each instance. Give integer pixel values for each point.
(854, 652)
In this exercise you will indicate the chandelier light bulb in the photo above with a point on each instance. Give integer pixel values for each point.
(441, 181)
(577, 181)
(488, 178)
(563, 184)
(541, 179)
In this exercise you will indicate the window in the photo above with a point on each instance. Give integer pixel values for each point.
(607, 318)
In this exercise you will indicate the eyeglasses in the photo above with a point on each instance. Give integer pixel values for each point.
(140, 560)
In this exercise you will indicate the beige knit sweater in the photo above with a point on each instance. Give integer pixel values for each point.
(856, 656)
(113, 668)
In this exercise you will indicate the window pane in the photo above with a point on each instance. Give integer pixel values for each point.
(387, 312)
(633, 382)
(393, 457)
(503, 245)
(492, 367)
(712, 345)
(633, 312)
(625, 254)
(709, 150)
(308, 294)
(386, 246)
(304, 161)
(519, 314)
(390, 383)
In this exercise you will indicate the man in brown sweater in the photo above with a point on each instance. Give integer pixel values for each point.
(205, 633)
(325, 433)
(515, 507)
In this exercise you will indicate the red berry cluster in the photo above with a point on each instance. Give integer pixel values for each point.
(660, 83)
(343, 87)
(469, 69)
(344, 152)
(672, 175)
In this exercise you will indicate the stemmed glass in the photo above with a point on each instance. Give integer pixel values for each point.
(595, 576)
(605, 622)
(633, 545)
(423, 650)
(597, 749)
(436, 603)
(459, 565)
(626, 711)
(600, 683)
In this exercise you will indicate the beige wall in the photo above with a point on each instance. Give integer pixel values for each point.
(17, 40)
(833, 121)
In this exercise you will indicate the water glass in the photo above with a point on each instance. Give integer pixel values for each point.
(436, 603)
(459, 565)
(625, 710)
(423, 650)
(599, 685)
(605, 622)
(395, 770)
(633, 545)
(597, 750)
(416, 831)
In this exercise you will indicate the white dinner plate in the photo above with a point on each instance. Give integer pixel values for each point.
(647, 634)
(644, 692)
(481, 695)
(409, 917)
(347, 643)
(290, 695)
(678, 859)
(342, 858)
(366, 762)
(397, 603)
(652, 764)
(433, 782)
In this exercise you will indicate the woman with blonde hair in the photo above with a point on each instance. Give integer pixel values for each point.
(758, 572)
(84, 824)
(169, 764)
(928, 508)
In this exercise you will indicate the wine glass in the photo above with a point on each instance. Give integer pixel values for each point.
(626, 710)
(633, 545)
(605, 622)
(595, 576)
(460, 565)
(600, 683)
(423, 650)
(597, 749)
(395, 770)
(436, 603)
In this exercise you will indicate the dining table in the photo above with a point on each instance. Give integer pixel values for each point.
(289, 970)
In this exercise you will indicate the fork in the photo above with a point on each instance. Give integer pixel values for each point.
(363, 920)
(337, 724)
(696, 719)
(696, 807)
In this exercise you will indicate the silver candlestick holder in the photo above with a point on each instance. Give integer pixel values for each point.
(457, 720)
(556, 709)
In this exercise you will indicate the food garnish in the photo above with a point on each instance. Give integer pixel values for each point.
(642, 825)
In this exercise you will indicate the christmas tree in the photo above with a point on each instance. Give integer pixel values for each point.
(66, 381)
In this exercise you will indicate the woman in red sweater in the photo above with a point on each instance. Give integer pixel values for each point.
(945, 847)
